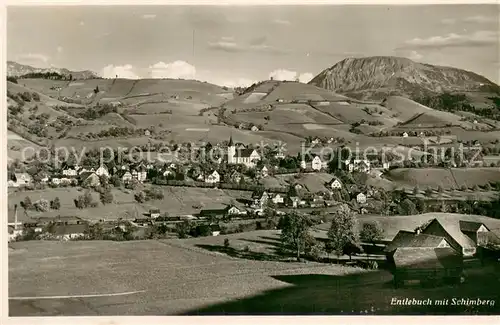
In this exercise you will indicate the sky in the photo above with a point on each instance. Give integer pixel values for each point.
(236, 46)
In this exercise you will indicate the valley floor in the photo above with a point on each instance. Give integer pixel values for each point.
(179, 277)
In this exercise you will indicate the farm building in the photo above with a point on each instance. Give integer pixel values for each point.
(126, 176)
(215, 230)
(154, 213)
(254, 128)
(68, 232)
(417, 257)
(463, 236)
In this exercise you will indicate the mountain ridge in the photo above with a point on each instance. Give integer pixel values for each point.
(15, 69)
(377, 77)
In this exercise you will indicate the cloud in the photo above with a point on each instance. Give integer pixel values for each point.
(60, 49)
(481, 19)
(227, 38)
(257, 44)
(148, 16)
(415, 56)
(225, 46)
(281, 22)
(305, 77)
(472, 19)
(283, 74)
(175, 70)
(480, 38)
(122, 71)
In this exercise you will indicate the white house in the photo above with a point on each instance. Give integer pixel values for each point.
(214, 177)
(126, 177)
(69, 172)
(278, 199)
(360, 165)
(102, 171)
(254, 128)
(335, 184)
(303, 164)
(55, 180)
(386, 165)
(361, 198)
(316, 163)
(405, 135)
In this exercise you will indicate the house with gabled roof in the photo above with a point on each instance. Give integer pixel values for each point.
(415, 256)
(335, 184)
(89, 179)
(102, 171)
(213, 177)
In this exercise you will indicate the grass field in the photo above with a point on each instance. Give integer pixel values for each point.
(452, 178)
(186, 277)
(177, 201)
(172, 279)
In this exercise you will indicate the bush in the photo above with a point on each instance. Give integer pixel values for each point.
(36, 97)
(246, 249)
(226, 243)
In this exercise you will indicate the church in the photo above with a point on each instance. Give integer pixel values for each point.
(247, 157)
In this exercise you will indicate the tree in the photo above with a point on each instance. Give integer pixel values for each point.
(371, 232)
(407, 207)
(55, 204)
(295, 231)
(329, 249)
(140, 197)
(416, 190)
(106, 196)
(26, 203)
(440, 189)
(41, 205)
(428, 191)
(182, 229)
(226, 243)
(342, 231)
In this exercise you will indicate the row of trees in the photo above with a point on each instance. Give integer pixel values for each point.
(343, 236)
(41, 205)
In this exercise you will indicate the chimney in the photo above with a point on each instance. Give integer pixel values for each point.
(15, 217)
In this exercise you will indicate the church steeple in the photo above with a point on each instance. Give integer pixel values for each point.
(230, 141)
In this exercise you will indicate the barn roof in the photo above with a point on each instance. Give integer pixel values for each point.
(452, 227)
(427, 258)
(70, 229)
(470, 226)
(411, 239)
